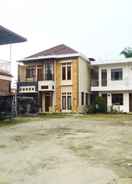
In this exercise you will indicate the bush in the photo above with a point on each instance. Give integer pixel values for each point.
(100, 104)
(91, 109)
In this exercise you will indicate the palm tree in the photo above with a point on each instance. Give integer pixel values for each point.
(127, 52)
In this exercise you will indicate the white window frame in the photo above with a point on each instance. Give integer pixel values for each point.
(66, 94)
(66, 66)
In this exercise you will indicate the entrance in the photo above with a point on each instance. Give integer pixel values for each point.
(48, 101)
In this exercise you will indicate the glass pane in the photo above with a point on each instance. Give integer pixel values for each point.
(63, 72)
(68, 72)
(63, 102)
(48, 71)
(104, 77)
(69, 102)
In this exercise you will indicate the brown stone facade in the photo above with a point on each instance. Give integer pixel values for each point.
(57, 68)
(75, 83)
(4, 87)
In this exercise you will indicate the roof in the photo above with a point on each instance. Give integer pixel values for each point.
(112, 62)
(8, 37)
(5, 73)
(57, 50)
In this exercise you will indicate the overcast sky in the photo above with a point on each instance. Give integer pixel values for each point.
(97, 28)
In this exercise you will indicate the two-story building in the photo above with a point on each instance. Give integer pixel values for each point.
(113, 81)
(56, 79)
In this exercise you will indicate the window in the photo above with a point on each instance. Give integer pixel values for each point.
(66, 101)
(117, 99)
(82, 98)
(48, 74)
(66, 71)
(116, 74)
(104, 77)
(63, 72)
(95, 76)
(86, 96)
(30, 72)
(69, 72)
(69, 101)
(63, 101)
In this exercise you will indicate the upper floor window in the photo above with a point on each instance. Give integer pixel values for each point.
(48, 73)
(66, 71)
(104, 77)
(30, 72)
(95, 76)
(116, 74)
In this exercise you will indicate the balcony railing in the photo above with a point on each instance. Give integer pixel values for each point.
(27, 85)
(94, 83)
(5, 66)
(104, 82)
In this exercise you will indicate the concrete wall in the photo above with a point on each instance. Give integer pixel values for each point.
(84, 78)
(4, 87)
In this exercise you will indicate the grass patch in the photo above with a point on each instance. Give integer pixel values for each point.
(108, 117)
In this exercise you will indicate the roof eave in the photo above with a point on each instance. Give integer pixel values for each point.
(50, 57)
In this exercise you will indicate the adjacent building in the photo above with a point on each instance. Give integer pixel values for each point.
(113, 81)
(6, 97)
(56, 79)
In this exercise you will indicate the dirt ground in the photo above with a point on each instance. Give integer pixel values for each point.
(69, 150)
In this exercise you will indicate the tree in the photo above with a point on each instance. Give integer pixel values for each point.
(127, 52)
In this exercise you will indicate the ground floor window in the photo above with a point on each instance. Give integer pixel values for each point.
(66, 101)
(86, 96)
(117, 99)
(82, 98)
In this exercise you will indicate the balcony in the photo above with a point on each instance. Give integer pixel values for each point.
(94, 83)
(48, 85)
(27, 87)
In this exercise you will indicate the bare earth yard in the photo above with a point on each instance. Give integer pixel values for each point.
(68, 150)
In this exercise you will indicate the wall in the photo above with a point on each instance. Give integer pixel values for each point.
(57, 68)
(84, 78)
(21, 73)
(75, 83)
(4, 87)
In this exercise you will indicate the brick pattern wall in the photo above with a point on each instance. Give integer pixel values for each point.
(75, 83)
(57, 68)
(4, 87)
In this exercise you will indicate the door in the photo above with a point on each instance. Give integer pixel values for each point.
(47, 101)
(130, 102)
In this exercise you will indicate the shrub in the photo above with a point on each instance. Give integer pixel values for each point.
(100, 104)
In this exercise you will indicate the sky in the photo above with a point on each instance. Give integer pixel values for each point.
(96, 28)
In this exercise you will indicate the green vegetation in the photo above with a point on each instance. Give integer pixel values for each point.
(108, 117)
(127, 52)
(99, 106)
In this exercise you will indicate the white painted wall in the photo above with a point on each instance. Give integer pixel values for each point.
(84, 78)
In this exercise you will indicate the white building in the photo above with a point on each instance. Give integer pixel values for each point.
(113, 81)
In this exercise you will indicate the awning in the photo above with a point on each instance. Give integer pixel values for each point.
(8, 37)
